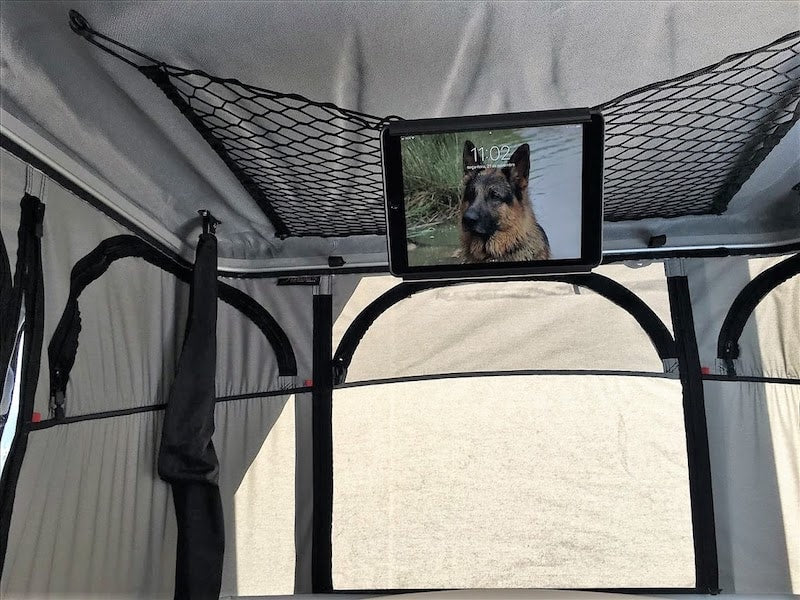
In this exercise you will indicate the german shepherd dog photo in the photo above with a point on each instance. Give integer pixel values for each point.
(497, 220)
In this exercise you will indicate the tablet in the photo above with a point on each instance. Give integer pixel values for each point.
(494, 195)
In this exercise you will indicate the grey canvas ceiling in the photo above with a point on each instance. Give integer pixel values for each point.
(107, 125)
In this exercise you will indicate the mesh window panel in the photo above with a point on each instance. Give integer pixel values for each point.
(505, 326)
(679, 147)
(771, 336)
(511, 481)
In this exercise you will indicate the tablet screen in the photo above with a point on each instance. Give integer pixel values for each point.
(499, 195)
(521, 193)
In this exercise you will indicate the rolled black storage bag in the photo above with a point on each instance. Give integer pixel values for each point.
(187, 459)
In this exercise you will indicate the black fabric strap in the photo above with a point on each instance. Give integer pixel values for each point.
(744, 305)
(29, 286)
(699, 462)
(322, 428)
(64, 343)
(608, 288)
(187, 458)
(6, 283)
(9, 312)
(201, 541)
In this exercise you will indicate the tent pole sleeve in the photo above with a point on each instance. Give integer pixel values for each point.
(28, 287)
(322, 429)
(699, 462)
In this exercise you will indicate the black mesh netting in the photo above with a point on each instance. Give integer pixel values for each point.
(313, 168)
(686, 146)
(679, 147)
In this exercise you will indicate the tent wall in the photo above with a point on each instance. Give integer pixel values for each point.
(753, 426)
(90, 515)
(515, 481)
(459, 475)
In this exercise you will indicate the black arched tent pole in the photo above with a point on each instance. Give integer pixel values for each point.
(745, 303)
(64, 343)
(608, 288)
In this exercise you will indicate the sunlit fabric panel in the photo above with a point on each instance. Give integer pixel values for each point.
(511, 481)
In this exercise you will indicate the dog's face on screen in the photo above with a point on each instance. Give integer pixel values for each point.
(497, 219)
(493, 197)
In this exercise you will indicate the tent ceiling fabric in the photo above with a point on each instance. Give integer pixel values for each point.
(675, 148)
(381, 58)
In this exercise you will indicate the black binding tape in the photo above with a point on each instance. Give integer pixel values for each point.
(699, 461)
(322, 428)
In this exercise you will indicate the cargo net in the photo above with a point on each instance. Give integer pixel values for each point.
(313, 168)
(679, 147)
(685, 146)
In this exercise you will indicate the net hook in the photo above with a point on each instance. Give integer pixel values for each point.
(79, 24)
(210, 222)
